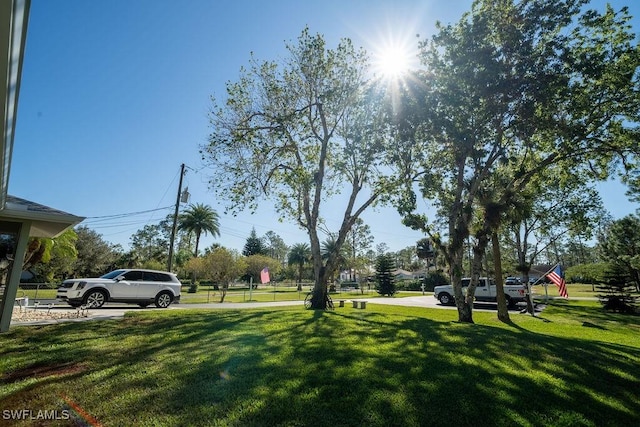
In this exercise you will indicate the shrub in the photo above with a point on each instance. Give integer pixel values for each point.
(435, 279)
(193, 288)
(615, 292)
(587, 273)
(409, 285)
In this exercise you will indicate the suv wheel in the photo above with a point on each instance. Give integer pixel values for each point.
(445, 299)
(95, 299)
(163, 299)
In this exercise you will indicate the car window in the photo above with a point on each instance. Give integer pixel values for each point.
(164, 277)
(154, 276)
(113, 274)
(481, 283)
(151, 277)
(133, 275)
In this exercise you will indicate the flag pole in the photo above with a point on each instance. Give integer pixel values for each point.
(546, 285)
(545, 274)
(546, 292)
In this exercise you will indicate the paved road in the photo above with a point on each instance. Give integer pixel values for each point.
(64, 313)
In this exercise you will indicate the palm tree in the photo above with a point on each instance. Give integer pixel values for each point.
(299, 254)
(329, 247)
(199, 219)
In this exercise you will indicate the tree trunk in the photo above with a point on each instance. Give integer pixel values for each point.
(524, 266)
(324, 271)
(465, 311)
(636, 276)
(479, 252)
(225, 286)
(319, 298)
(503, 311)
(300, 276)
(197, 244)
(531, 308)
(320, 276)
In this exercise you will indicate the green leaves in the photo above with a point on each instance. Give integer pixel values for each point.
(301, 131)
(199, 219)
(516, 92)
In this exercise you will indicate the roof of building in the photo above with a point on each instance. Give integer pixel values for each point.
(45, 221)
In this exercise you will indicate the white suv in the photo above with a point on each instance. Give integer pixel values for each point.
(135, 286)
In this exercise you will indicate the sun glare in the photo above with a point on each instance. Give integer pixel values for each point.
(393, 59)
(392, 62)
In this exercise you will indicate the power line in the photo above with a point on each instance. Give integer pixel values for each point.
(118, 224)
(124, 215)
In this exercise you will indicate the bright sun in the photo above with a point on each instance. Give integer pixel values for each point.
(392, 61)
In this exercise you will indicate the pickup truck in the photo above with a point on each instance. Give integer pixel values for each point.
(485, 291)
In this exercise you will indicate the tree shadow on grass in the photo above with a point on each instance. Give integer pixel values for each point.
(595, 314)
(347, 368)
(418, 372)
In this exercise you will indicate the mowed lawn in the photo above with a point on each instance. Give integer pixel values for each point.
(383, 366)
(288, 292)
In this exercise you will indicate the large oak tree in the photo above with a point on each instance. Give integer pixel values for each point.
(510, 90)
(305, 133)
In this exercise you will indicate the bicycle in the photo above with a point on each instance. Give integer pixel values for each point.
(328, 301)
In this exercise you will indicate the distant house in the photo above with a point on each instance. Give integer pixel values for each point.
(538, 271)
(360, 275)
(346, 276)
(400, 274)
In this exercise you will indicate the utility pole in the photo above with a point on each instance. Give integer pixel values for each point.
(175, 220)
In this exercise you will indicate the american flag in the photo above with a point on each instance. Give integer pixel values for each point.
(557, 277)
(264, 276)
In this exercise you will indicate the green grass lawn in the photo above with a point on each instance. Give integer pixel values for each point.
(289, 293)
(37, 294)
(386, 365)
(268, 293)
(573, 289)
(205, 294)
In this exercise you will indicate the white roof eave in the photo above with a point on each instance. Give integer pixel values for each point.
(45, 221)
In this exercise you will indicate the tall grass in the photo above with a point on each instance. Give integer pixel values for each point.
(572, 365)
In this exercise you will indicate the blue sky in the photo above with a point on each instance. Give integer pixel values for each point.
(115, 95)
